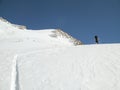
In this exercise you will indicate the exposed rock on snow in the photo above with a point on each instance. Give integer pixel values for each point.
(4, 20)
(20, 26)
(14, 25)
(59, 33)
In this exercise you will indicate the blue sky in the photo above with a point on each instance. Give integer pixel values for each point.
(83, 19)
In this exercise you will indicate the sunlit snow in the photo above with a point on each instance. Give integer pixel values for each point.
(53, 60)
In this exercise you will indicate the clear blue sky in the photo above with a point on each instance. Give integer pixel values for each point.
(81, 18)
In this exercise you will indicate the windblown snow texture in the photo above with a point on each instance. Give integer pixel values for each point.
(53, 60)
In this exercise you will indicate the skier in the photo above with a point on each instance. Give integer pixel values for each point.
(96, 39)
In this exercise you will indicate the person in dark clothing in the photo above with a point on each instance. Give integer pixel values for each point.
(96, 39)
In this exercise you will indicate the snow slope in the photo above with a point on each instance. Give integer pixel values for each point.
(90, 67)
(50, 60)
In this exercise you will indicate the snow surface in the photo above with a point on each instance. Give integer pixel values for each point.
(43, 60)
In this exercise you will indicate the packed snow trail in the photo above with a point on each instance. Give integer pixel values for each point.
(15, 75)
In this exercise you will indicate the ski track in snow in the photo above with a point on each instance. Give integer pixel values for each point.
(15, 75)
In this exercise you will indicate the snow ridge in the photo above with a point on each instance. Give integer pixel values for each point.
(22, 27)
(59, 33)
(4, 20)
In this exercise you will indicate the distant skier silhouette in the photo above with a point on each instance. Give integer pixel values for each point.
(96, 39)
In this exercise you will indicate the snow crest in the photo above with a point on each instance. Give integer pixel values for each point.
(4, 20)
(22, 27)
(59, 33)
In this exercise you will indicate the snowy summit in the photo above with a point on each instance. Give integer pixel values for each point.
(47, 36)
(53, 60)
